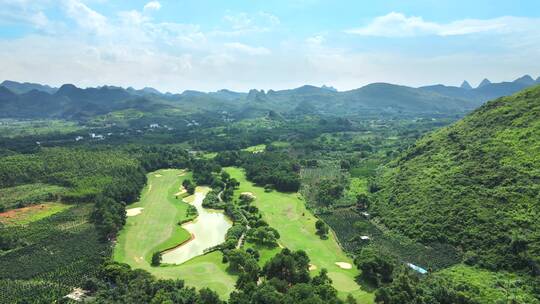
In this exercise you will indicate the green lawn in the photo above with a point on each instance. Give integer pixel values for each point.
(156, 228)
(286, 212)
(255, 149)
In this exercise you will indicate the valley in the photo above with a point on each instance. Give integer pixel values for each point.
(362, 208)
(269, 152)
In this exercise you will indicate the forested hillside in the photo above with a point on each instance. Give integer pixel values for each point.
(474, 185)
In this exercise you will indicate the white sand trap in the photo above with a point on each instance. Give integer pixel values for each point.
(248, 194)
(158, 175)
(344, 265)
(182, 191)
(134, 211)
(312, 267)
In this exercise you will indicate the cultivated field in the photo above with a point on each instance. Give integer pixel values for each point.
(286, 212)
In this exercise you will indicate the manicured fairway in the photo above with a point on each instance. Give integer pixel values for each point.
(156, 228)
(286, 212)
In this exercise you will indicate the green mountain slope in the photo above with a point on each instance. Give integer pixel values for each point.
(475, 185)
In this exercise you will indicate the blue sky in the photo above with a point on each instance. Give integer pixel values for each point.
(209, 45)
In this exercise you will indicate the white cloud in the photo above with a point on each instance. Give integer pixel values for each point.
(243, 23)
(152, 5)
(23, 11)
(399, 25)
(244, 48)
(85, 16)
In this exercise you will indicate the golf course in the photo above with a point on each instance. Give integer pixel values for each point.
(287, 213)
(153, 226)
(156, 228)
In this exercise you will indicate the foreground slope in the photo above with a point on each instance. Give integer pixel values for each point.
(475, 185)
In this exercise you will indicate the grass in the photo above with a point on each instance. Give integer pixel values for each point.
(265, 253)
(255, 149)
(281, 144)
(27, 215)
(156, 228)
(358, 185)
(287, 213)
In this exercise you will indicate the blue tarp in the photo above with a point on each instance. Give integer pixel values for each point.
(417, 268)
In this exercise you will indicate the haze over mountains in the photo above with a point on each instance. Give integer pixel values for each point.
(31, 100)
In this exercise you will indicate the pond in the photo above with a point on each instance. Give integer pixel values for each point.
(207, 230)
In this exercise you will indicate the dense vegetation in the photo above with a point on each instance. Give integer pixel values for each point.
(473, 185)
(467, 193)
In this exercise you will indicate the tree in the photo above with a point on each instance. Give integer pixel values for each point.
(156, 258)
(322, 229)
(362, 201)
(263, 235)
(208, 296)
(189, 186)
(376, 267)
(288, 266)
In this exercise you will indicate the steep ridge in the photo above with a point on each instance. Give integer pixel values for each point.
(474, 185)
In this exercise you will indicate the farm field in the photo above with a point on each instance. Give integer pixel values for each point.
(287, 213)
(30, 271)
(26, 215)
(24, 195)
(156, 228)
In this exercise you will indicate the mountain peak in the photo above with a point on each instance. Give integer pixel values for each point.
(538, 80)
(66, 89)
(151, 90)
(329, 88)
(25, 87)
(526, 80)
(466, 85)
(484, 82)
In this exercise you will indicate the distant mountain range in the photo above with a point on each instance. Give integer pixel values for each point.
(32, 100)
(485, 91)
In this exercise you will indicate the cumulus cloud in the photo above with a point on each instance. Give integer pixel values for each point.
(152, 6)
(85, 17)
(399, 25)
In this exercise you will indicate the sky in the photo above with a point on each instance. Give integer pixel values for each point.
(239, 45)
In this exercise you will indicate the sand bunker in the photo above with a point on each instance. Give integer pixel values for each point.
(344, 265)
(312, 267)
(158, 175)
(182, 191)
(249, 194)
(134, 211)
